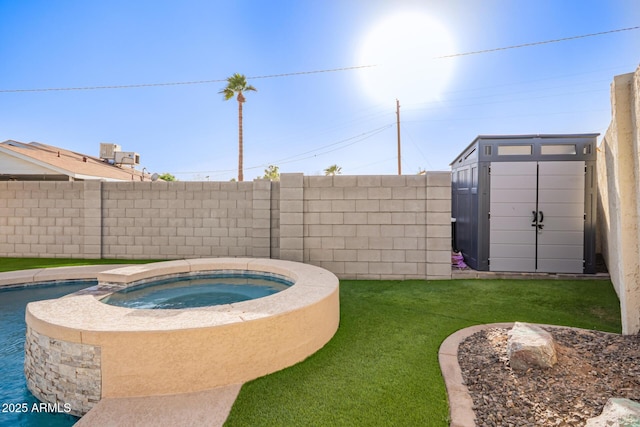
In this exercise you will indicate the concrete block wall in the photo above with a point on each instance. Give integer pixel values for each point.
(438, 225)
(375, 227)
(160, 220)
(378, 227)
(275, 220)
(261, 216)
(45, 219)
(291, 217)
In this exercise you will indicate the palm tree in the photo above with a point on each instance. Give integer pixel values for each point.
(236, 84)
(333, 170)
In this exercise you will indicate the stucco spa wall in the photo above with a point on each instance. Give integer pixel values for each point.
(79, 350)
(619, 196)
(394, 227)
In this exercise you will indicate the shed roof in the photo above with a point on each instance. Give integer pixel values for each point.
(524, 137)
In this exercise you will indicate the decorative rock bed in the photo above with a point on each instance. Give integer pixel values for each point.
(592, 368)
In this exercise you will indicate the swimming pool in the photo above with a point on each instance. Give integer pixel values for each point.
(17, 403)
(199, 290)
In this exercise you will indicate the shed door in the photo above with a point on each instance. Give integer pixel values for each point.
(512, 239)
(537, 217)
(561, 202)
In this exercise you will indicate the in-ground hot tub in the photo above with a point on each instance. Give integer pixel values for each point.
(79, 349)
(199, 289)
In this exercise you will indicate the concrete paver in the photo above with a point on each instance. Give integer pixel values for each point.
(205, 408)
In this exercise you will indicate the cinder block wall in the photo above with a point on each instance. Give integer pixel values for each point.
(275, 220)
(39, 219)
(377, 227)
(179, 219)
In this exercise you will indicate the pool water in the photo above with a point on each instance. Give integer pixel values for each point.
(200, 290)
(16, 402)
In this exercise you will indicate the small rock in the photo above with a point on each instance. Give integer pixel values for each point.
(530, 346)
(617, 413)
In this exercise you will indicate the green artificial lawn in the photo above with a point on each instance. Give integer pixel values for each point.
(10, 264)
(381, 367)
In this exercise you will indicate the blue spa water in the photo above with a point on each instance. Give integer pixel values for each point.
(224, 287)
(16, 402)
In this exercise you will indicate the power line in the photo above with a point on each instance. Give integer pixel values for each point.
(342, 141)
(54, 89)
(299, 73)
(364, 136)
(477, 52)
(296, 158)
(329, 70)
(198, 82)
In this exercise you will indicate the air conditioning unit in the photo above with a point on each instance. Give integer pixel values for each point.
(127, 158)
(108, 150)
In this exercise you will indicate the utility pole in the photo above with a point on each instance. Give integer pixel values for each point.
(398, 125)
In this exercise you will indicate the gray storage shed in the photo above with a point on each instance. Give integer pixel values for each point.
(526, 203)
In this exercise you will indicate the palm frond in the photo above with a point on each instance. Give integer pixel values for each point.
(226, 93)
(236, 83)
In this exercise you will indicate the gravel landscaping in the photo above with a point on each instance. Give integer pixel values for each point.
(592, 367)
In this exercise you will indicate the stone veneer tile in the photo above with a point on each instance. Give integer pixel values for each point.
(63, 372)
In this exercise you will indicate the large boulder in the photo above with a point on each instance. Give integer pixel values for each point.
(617, 413)
(530, 346)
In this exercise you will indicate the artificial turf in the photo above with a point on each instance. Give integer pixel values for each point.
(381, 367)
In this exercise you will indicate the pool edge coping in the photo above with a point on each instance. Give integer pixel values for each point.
(23, 278)
(90, 315)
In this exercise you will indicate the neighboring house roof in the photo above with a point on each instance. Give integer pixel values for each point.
(40, 161)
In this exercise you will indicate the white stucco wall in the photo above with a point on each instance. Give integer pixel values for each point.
(619, 196)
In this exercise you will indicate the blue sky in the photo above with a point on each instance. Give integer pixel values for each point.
(305, 123)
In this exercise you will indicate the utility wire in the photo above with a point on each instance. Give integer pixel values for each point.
(292, 159)
(477, 52)
(373, 131)
(198, 82)
(298, 73)
(329, 70)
